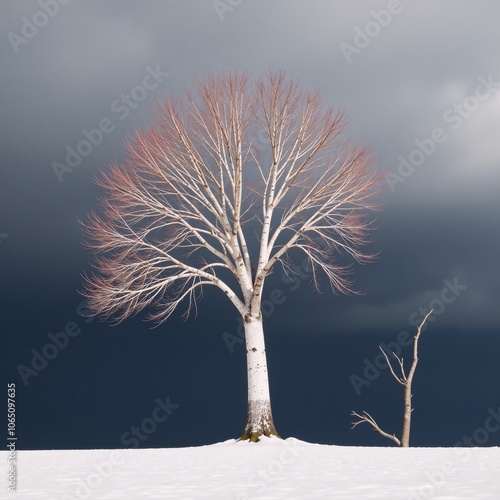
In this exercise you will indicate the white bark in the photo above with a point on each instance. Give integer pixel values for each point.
(259, 415)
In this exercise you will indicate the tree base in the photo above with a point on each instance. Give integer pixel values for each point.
(259, 422)
(255, 437)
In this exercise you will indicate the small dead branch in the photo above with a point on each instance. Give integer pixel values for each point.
(366, 417)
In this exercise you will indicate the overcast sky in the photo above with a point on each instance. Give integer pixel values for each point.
(421, 84)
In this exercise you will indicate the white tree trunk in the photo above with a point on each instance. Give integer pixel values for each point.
(259, 415)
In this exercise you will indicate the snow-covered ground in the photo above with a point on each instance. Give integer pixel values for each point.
(271, 469)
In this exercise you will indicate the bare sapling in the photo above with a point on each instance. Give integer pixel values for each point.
(406, 382)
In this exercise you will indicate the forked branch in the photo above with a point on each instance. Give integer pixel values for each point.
(366, 417)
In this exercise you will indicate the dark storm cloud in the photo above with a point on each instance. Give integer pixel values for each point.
(397, 90)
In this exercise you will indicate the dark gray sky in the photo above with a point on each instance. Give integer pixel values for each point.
(424, 88)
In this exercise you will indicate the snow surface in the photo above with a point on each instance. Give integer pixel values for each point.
(271, 469)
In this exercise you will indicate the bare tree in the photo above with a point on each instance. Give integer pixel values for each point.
(405, 381)
(179, 212)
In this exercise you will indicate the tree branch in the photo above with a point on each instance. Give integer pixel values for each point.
(366, 417)
(175, 212)
(400, 380)
(415, 348)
